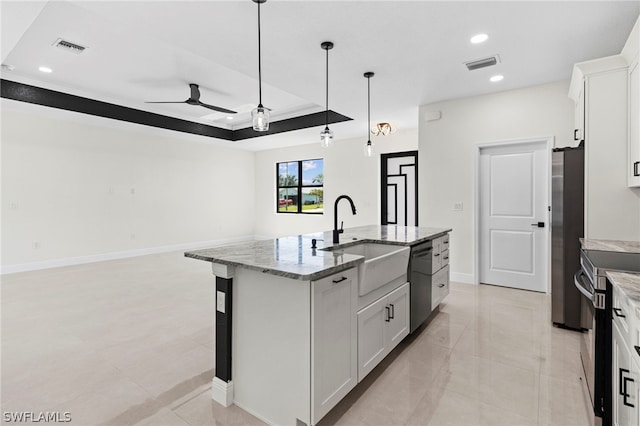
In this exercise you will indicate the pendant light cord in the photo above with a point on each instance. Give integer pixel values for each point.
(368, 108)
(259, 61)
(326, 114)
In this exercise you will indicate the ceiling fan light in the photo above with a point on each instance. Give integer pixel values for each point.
(260, 118)
(382, 129)
(326, 137)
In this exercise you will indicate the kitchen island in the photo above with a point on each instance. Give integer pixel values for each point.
(294, 333)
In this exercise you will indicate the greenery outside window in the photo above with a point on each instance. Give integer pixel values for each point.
(300, 186)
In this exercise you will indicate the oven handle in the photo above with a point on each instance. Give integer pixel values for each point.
(577, 280)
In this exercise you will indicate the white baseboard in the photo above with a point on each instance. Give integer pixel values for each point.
(222, 392)
(69, 261)
(460, 277)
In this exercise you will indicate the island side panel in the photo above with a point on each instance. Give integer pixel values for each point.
(224, 308)
(271, 346)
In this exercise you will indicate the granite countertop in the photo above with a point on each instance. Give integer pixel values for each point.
(611, 245)
(293, 257)
(629, 284)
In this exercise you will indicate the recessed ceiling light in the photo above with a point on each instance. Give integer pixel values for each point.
(479, 38)
(496, 78)
(45, 69)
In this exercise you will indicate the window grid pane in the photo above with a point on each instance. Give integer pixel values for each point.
(300, 186)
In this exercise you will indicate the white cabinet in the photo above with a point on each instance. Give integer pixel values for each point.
(381, 326)
(334, 367)
(633, 162)
(578, 116)
(625, 357)
(439, 286)
(624, 381)
(611, 209)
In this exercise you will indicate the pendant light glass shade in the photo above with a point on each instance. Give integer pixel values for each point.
(260, 117)
(368, 148)
(260, 114)
(326, 136)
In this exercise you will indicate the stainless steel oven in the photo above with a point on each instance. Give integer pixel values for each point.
(595, 345)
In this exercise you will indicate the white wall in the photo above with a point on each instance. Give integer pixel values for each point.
(447, 150)
(346, 171)
(73, 188)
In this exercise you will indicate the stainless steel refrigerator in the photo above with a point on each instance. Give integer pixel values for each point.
(567, 227)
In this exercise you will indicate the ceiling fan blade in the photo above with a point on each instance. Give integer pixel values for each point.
(167, 102)
(216, 108)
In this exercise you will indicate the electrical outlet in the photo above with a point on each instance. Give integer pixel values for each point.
(36, 245)
(133, 191)
(133, 236)
(13, 206)
(457, 206)
(220, 302)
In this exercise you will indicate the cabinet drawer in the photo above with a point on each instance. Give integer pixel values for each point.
(439, 287)
(436, 259)
(444, 258)
(622, 313)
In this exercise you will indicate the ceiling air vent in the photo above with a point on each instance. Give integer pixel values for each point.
(68, 46)
(482, 63)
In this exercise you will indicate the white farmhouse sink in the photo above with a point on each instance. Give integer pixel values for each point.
(383, 263)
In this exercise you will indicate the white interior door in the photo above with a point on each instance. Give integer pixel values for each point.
(513, 216)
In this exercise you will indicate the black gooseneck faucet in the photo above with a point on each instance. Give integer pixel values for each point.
(336, 231)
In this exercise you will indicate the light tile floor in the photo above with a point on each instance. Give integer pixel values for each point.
(131, 342)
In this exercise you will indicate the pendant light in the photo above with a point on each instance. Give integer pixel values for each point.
(326, 136)
(260, 115)
(368, 149)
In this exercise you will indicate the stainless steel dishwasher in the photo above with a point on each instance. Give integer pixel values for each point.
(420, 270)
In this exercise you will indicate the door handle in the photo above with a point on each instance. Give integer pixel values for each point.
(636, 168)
(575, 134)
(538, 224)
(393, 311)
(388, 318)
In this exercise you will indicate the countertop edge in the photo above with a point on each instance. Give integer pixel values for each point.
(351, 237)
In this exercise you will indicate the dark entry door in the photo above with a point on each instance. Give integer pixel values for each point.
(399, 188)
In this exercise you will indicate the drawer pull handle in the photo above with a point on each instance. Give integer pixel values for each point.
(636, 168)
(623, 386)
(437, 254)
(440, 285)
(393, 311)
(388, 318)
(446, 258)
(619, 313)
(340, 280)
(575, 134)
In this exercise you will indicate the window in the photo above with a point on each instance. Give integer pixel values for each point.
(300, 186)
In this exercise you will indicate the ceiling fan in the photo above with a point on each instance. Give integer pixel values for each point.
(194, 99)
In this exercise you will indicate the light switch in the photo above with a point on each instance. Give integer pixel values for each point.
(220, 302)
